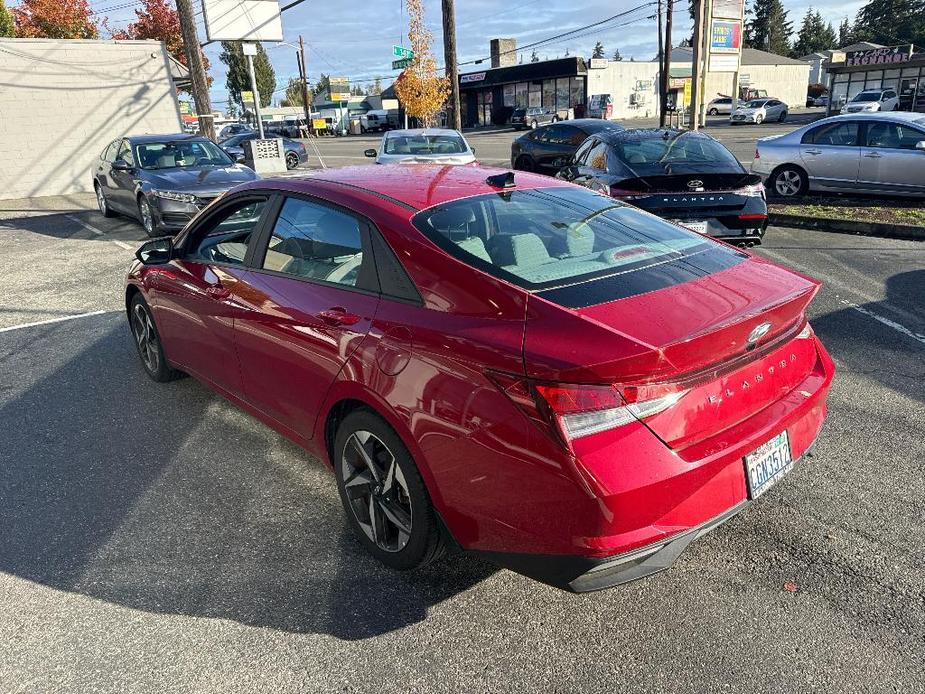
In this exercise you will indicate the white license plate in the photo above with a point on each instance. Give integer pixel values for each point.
(765, 466)
(699, 227)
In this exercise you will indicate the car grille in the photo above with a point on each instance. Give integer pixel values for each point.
(853, 109)
(203, 200)
(738, 118)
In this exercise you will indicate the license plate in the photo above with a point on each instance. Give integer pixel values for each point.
(765, 466)
(699, 227)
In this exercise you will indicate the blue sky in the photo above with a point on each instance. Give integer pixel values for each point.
(354, 39)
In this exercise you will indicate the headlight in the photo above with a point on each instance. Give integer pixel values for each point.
(175, 195)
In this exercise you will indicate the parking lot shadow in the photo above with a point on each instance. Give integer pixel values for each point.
(66, 225)
(168, 499)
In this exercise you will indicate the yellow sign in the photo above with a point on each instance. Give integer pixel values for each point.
(687, 93)
(247, 98)
(319, 123)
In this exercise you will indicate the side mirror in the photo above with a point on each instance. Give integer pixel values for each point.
(370, 153)
(239, 157)
(920, 145)
(121, 165)
(472, 149)
(156, 251)
(569, 173)
(559, 162)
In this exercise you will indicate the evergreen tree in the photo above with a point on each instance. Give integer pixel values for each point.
(238, 78)
(845, 33)
(891, 22)
(616, 55)
(814, 35)
(598, 50)
(323, 85)
(769, 29)
(534, 58)
(6, 21)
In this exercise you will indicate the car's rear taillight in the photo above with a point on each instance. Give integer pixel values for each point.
(622, 194)
(752, 191)
(571, 411)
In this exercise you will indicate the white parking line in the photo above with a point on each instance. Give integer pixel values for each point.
(92, 229)
(886, 321)
(54, 320)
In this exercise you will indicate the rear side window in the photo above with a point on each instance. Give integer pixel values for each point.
(839, 134)
(893, 135)
(553, 238)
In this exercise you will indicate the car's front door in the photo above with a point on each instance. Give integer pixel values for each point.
(831, 153)
(308, 302)
(196, 298)
(890, 161)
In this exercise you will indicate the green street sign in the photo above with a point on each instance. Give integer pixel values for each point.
(402, 52)
(401, 64)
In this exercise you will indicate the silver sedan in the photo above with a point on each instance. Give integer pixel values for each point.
(423, 146)
(760, 110)
(861, 153)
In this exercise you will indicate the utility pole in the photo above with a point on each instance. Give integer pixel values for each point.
(250, 50)
(196, 68)
(668, 16)
(449, 56)
(696, 64)
(303, 71)
(662, 72)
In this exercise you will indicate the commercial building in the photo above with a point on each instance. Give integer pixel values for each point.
(897, 67)
(63, 101)
(819, 60)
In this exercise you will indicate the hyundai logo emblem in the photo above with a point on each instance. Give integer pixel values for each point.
(757, 333)
(695, 184)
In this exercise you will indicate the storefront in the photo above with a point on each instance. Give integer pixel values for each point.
(491, 95)
(890, 67)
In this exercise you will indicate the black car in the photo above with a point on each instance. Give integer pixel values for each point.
(164, 180)
(685, 177)
(548, 149)
(532, 117)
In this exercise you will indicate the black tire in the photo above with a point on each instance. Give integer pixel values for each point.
(101, 201)
(146, 217)
(788, 182)
(148, 342)
(524, 163)
(555, 119)
(782, 117)
(712, 112)
(363, 430)
(292, 160)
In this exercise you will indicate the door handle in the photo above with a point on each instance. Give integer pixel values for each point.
(814, 151)
(218, 292)
(338, 316)
(873, 155)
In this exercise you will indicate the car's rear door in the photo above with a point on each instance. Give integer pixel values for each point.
(122, 193)
(889, 160)
(307, 303)
(831, 153)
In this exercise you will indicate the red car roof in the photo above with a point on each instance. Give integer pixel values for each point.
(418, 185)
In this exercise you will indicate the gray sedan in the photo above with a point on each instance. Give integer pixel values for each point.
(863, 153)
(423, 146)
(760, 110)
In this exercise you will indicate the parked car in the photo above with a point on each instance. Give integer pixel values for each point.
(865, 152)
(423, 146)
(295, 151)
(234, 129)
(760, 110)
(532, 117)
(822, 100)
(873, 100)
(163, 180)
(495, 361)
(549, 148)
(685, 177)
(721, 105)
(375, 121)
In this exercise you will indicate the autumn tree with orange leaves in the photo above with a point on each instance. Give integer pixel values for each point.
(420, 89)
(54, 19)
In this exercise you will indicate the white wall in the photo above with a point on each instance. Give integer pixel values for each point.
(622, 80)
(63, 101)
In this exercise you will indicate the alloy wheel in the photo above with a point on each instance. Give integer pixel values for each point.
(788, 183)
(146, 338)
(377, 491)
(101, 200)
(147, 216)
(292, 160)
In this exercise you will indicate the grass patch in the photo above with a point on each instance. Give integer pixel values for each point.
(909, 212)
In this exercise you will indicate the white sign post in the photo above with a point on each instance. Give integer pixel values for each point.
(250, 50)
(242, 20)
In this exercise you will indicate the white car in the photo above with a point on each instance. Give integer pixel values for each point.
(423, 146)
(760, 110)
(873, 100)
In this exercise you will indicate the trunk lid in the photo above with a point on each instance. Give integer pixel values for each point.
(684, 195)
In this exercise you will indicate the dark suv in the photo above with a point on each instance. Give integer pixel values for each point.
(532, 117)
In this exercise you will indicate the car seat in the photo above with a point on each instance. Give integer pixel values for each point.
(453, 223)
(476, 247)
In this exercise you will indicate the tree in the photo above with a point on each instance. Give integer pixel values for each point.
(238, 77)
(54, 19)
(534, 58)
(158, 20)
(891, 22)
(419, 88)
(375, 87)
(293, 96)
(323, 85)
(6, 21)
(616, 55)
(598, 50)
(814, 35)
(769, 29)
(845, 33)
(232, 110)
(356, 90)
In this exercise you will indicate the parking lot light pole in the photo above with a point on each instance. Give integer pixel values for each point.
(250, 50)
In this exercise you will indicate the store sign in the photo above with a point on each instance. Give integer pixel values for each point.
(598, 63)
(724, 62)
(728, 9)
(338, 89)
(471, 77)
(725, 36)
(678, 82)
(888, 55)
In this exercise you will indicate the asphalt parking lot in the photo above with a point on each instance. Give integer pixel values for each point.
(154, 538)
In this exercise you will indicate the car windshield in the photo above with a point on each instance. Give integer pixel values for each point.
(867, 96)
(520, 111)
(661, 155)
(555, 237)
(425, 145)
(757, 103)
(180, 154)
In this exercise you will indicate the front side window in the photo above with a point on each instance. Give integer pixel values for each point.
(125, 153)
(555, 237)
(758, 103)
(180, 154)
(425, 144)
(225, 236)
(893, 135)
(109, 154)
(838, 134)
(312, 241)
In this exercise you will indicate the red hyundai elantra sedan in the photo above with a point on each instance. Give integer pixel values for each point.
(500, 362)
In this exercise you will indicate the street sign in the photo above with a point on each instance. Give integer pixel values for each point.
(401, 64)
(402, 52)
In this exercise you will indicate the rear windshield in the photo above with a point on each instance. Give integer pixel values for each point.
(550, 238)
(425, 144)
(660, 155)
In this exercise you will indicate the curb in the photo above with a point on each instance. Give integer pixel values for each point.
(847, 226)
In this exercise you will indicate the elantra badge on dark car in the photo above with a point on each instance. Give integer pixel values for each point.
(494, 361)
